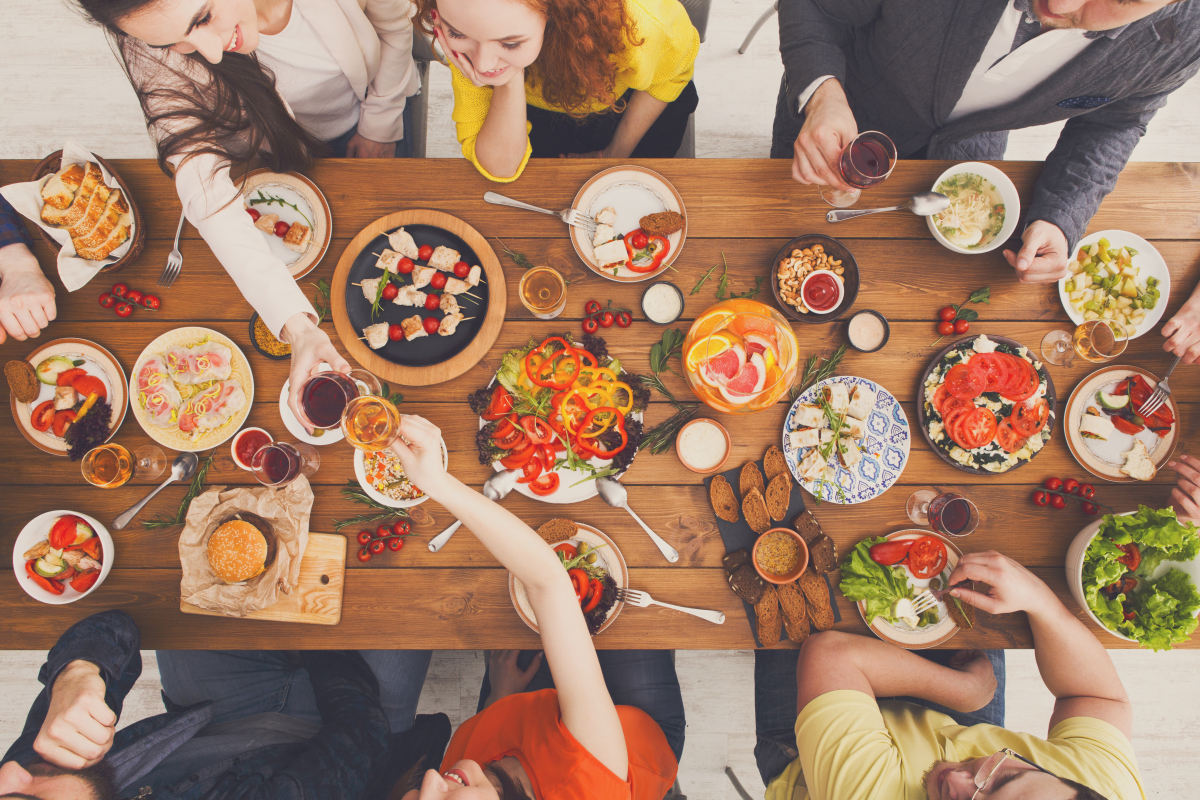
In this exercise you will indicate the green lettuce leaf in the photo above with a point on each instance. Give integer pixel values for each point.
(510, 368)
(876, 585)
(1165, 611)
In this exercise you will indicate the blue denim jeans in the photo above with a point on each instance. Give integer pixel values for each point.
(643, 679)
(242, 683)
(775, 705)
(404, 147)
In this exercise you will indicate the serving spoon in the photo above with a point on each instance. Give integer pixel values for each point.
(495, 488)
(182, 469)
(923, 204)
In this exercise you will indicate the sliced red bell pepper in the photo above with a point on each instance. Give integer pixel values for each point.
(649, 257)
(554, 362)
(501, 403)
(85, 581)
(53, 587)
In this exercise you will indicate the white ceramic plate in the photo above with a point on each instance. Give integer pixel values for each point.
(296, 429)
(900, 633)
(884, 448)
(360, 472)
(1008, 194)
(1148, 260)
(311, 209)
(36, 531)
(634, 192)
(609, 557)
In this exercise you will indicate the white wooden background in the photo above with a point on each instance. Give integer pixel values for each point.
(80, 91)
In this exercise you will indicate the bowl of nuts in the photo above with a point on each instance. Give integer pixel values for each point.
(799, 258)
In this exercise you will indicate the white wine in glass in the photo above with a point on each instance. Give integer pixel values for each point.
(371, 423)
(1095, 340)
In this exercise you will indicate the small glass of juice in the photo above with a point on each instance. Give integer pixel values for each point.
(544, 292)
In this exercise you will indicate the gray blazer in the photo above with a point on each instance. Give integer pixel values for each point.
(904, 64)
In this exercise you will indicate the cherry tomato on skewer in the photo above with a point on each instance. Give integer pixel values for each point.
(433, 302)
(282, 228)
(461, 269)
(395, 333)
(431, 325)
(390, 291)
(424, 252)
(253, 212)
(438, 281)
(405, 266)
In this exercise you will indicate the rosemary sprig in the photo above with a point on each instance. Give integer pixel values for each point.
(660, 438)
(321, 301)
(194, 490)
(522, 260)
(271, 200)
(817, 369)
(378, 511)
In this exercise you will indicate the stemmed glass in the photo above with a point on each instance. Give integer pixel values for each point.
(1095, 340)
(149, 462)
(279, 463)
(868, 160)
(947, 513)
(324, 396)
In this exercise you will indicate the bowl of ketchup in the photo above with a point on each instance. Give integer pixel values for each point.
(822, 291)
(248, 442)
(847, 288)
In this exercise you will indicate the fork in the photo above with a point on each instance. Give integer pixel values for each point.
(644, 600)
(924, 601)
(1160, 394)
(571, 216)
(174, 260)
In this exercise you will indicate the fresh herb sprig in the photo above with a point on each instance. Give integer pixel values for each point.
(388, 277)
(817, 369)
(270, 200)
(660, 438)
(661, 352)
(321, 301)
(194, 490)
(522, 260)
(836, 423)
(378, 511)
(970, 315)
(395, 398)
(703, 278)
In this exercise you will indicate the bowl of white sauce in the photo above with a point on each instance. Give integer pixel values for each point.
(868, 331)
(703, 446)
(662, 302)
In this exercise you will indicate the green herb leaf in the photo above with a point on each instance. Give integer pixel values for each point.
(703, 278)
(519, 259)
(968, 315)
(378, 511)
(981, 295)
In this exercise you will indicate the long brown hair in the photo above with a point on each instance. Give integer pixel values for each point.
(230, 109)
(574, 69)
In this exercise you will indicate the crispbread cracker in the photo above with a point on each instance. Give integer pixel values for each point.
(724, 501)
(770, 621)
(750, 478)
(817, 595)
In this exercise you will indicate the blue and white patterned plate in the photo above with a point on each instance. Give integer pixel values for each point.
(884, 448)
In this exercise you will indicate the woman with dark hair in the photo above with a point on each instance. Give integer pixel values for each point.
(224, 81)
(553, 78)
(569, 740)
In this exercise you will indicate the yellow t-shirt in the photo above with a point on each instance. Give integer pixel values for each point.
(662, 66)
(852, 747)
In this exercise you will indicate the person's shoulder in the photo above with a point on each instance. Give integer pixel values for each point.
(663, 15)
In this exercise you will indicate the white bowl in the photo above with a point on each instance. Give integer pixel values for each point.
(360, 472)
(1148, 259)
(1008, 193)
(36, 531)
(233, 446)
(841, 289)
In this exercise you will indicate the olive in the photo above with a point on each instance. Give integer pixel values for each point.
(591, 558)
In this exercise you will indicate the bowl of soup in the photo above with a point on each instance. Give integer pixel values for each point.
(984, 208)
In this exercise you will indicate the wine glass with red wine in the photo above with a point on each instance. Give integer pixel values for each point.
(279, 463)
(947, 513)
(324, 396)
(868, 160)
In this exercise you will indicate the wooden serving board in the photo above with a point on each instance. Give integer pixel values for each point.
(317, 600)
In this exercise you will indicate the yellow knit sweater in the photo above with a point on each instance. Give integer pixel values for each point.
(662, 66)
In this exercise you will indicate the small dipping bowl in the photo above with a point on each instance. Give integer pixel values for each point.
(728, 446)
(258, 347)
(887, 330)
(655, 294)
(234, 446)
(795, 572)
(837, 279)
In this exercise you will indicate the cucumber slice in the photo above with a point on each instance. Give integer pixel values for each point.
(46, 569)
(49, 369)
(1113, 402)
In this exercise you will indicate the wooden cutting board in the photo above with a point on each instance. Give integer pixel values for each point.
(317, 600)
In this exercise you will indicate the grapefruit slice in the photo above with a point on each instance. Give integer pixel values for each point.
(707, 348)
(743, 324)
(719, 370)
(747, 383)
(763, 343)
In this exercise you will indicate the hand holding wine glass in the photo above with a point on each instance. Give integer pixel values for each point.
(829, 125)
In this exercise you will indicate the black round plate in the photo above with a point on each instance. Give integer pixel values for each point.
(1051, 399)
(849, 275)
(431, 349)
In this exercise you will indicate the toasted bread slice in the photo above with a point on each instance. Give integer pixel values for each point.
(807, 526)
(754, 507)
(779, 496)
(774, 463)
(92, 215)
(724, 502)
(817, 595)
(663, 223)
(770, 621)
(72, 214)
(750, 478)
(822, 553)
(795, 612)
(108, 222)
(104, 250)
(747, 584)
(557, 530)
(266, 223)
(738, 558)
(59, 191)
(961, 612)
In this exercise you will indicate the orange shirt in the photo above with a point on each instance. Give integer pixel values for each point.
(528, 726)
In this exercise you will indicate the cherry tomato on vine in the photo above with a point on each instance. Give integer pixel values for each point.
(364, 554)
(253, 212)
(381, 531)
(945, 328)
(947, 314)
(151, 302)
(590, 325)
(405, 266)
(133, 296)
(1071, 486)
(591, 307)
(376, 547)
(395, 544)
(281, 229)
(961, 326)
(624, 319)
(107, 300)
(438, 281)
(119, 290)
(1058, 501)
(123, 309)
(431, 325)
(1041, 498)
(462, 269)
(401, 528)
(395, 333)
(433, 302)
(1053, 484)
(364, 537)
(424, 252)
(1087, 490)
(390, 291)
(606, 319)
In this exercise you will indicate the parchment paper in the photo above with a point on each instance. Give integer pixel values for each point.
(287, 510)
(26, 198)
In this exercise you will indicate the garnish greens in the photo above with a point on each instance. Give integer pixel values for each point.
(194, 490)
(378, 511)
(271, 200)
(704, 278)
(395, 398)
(877, 586)
(321, 301)
(522, 260)
(817, 369)
(660, 438)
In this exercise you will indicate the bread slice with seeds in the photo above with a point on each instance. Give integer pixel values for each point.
(558, 530)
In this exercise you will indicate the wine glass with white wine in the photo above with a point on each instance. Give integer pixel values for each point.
(1095, 340)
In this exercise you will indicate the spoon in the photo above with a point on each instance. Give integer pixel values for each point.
(495, 488)
(615, 494)
(182, 469)
(923, 204)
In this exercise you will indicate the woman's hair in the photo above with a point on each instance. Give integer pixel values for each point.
(509, 789)
(574, 69)
(231, 109)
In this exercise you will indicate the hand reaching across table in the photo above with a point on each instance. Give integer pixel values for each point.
(26, 297)
(310, 346)
(79, 726)
(1011, 587)
(1185, 497)
(1182, 331)
(1043, 256)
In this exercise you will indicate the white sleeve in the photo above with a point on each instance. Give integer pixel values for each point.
(206, 192)
(381, 119)
(807, 94)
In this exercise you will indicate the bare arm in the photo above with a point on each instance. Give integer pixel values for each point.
(1074, 665)
(641, 113)
(586, 707)
(500, 147)
(26, 297)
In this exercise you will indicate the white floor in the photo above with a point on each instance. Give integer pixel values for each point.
(734, 120)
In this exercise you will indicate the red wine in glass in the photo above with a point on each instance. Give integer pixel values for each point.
(276, 464)
(953, 515)
(865, 162)
(324, 398)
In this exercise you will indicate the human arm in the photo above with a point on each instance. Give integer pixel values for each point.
(505, 675)
(26, 297)
(380, 121)
(1073, 664)
(586, 707)
(1185, 497)
(642, 111)
(1182, 331)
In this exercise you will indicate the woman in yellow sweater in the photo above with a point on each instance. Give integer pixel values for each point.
(574, 78)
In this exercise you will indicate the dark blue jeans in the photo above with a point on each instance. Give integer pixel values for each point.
(404, 147)
(775, 705)
(643, 679)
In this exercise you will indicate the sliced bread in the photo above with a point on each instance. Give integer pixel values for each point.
(823, 553)
(732, 561)
(59, 191)
(750, 478)
(754, 507)
(770, 621)
(558, 530)
(724, 502)
(747, 584)
(94, 211)
(795, 613)
(114, 211)
(774, 464)
(817, 595)
(779, 496)
(104, 250)
(72, 214)
(807, 526)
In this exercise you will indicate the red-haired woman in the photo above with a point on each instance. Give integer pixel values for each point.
(547, 78)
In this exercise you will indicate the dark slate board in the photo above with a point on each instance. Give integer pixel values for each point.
(739, 536)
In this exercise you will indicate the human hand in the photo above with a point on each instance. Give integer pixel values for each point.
(1043, 256)
(829, 126)
(1183, 332)
(79, 727)
(466, 67)
(26, 297)
(422, 458)
(1185, 497)
(1013, 588)
(506, 677)
(979, 678)
(361, 147)
(310, 347)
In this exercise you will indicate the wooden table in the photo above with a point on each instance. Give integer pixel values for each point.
(458, 598)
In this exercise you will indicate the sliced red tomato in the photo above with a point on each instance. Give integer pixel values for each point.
(67, 375)
(42, 416)
(994, 367)
(514, 441)
(567, 549)
(889, 553)
(1024, 387)
(1133, 556)
(546, 454)
(85, 581)
(1125, 426)
(1007, 438)
(927, 557)
(939, 397)
(977, 427)
(89, 384)
(595, 592)
(537, 429)
(579, 580)
(533, 469)
(545, 485)
(505, 428)
(501, 404)
(62, 421)
(965, 381)
(518, 458)
(1028, 420)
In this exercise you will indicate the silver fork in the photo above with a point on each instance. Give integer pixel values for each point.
(174, 260)
(924, 601)
(644, 600)
(571, 216)
(1160, 394)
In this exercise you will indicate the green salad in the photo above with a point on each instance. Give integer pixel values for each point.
(1117, 577)
(877, 586)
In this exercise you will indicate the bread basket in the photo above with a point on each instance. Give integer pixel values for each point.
(51, 164)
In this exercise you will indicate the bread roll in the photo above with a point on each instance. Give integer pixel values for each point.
(237, 551)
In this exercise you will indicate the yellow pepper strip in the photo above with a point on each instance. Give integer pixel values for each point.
(594, 374)
(625, 406)
(573, 396)
(87, 405)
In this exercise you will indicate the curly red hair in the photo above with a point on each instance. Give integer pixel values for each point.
(574, 69)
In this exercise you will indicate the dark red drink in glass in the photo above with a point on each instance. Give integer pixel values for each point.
(866, 162)
(324, 398)
(953, 515)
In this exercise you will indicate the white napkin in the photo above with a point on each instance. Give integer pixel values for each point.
(75, 272)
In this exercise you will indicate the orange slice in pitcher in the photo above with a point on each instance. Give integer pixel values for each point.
(708, 322)
(706, 349)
